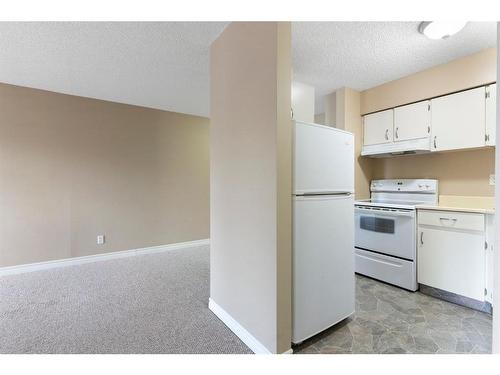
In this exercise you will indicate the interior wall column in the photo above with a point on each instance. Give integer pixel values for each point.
(251, 177)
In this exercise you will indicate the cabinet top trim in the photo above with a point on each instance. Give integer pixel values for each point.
(430, 98)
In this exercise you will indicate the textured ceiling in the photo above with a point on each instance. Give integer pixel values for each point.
(161, 65)
(330, 55)
(165, 65)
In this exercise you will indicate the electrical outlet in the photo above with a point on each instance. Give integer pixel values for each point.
(492, 179)
(100, 239)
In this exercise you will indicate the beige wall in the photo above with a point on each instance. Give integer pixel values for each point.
(467, 72)
(250, 166)
(349, 119)
(284, 155)
(461, 172)
(72, 168)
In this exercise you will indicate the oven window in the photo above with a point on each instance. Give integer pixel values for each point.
(377, 224)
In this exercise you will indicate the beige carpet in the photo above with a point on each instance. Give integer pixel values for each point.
(145, 304)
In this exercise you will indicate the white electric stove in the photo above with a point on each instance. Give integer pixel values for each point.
(386, 230)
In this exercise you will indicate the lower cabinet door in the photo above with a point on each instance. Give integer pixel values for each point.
(452, 260)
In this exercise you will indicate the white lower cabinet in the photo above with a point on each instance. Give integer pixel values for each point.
(451, 252)
(490, 249)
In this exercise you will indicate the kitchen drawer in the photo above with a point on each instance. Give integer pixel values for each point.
(451, 219)
(392, 270)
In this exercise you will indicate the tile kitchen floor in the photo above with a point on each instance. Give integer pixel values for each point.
(393, 320)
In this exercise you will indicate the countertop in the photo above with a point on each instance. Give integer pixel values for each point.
(487, 211)
(482, 205)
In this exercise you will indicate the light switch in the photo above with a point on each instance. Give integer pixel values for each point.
(100, 239)
(492, 179)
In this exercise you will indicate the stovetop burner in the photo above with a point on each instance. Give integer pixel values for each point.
(400, 202)
(403, 193)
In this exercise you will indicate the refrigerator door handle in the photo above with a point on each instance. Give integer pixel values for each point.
(324, 197)
(345, 193)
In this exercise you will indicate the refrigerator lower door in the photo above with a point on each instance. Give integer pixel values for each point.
(323, 263)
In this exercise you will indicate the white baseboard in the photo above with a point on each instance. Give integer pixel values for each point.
(23, 268)
(255, 345)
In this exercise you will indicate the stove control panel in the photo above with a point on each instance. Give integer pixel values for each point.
(405, 185)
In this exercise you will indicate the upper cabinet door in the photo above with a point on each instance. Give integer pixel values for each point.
(412, 121)
(491, 114)
(378, 128)
(458, 120)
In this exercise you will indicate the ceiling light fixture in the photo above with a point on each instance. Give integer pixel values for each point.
(440, 29)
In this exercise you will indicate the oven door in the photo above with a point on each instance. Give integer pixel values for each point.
(389, 231)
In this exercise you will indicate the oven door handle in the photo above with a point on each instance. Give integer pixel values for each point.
(382, 212)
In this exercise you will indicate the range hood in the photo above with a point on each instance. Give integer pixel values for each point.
(408, 147)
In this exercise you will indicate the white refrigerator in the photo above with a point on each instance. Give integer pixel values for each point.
(323, 229)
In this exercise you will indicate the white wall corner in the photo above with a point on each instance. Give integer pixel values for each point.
(496, 260)
(303, 100)
(330, 105)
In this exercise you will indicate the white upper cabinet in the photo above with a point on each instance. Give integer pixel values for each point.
(463, 120)
(458, 120)
(412, 121)
(378, 128)
(491, 114)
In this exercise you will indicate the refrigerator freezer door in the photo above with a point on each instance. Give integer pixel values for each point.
(323, 263)
(323, 160)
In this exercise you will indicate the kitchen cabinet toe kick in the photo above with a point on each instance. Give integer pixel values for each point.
(482, 306)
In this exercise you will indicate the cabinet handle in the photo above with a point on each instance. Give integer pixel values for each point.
(386, 134)
(448, 219)
(421, 238)
(397, 136)
(435, 146)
